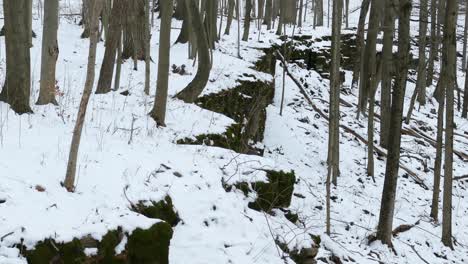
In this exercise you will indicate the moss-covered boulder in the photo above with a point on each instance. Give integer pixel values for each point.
(246, 105)
(276, 193)
(163, 210)
(150, 246)
(49, 251)
(144, 246)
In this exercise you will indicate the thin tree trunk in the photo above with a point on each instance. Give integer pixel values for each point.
(465, 36)
(384, 229)
(248, 10)
(434, 44)
(50, 52)
(95, 8)
(148, 43)
(360, 41)
(421, 81)
(16, 90)
(370, 79)
(438, 159)
(465, 98)
(368, 64)
(159, 108)
(387, 64)
(449, 68)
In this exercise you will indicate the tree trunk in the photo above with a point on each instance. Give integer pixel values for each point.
(368, 64)
(421, 81)
(387, 64)
(95, 8)
(299, 20)
(465, 98)
(370, 79)
(134, 30)
(148, 43)
(159, 108)
(449, 63)
(438, 159)
(319, 12)
(268, 13)
(231, 6)
(16, 90)
(112, 40)
(384, 229)
(190, 93)
(360, 41)
(50, 52)
(434, 44)
(465, 36)
(248, 10)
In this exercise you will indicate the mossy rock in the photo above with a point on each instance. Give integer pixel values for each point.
(106, 248)
(150, 246)
(276, 193)
(248, 101)
(163, 210)
(48, 251)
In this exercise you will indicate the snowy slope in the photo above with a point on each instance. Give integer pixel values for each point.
(217, 226)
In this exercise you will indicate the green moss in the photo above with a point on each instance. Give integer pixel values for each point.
(276, 193)
(248, 101)
(163, 210)
(48, 251)
(150, 246)
(106, 248)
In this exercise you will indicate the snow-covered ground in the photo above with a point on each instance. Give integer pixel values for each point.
(217, 226)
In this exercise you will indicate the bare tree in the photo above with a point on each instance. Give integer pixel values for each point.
(449, 62)
(387, 64)
(50, 52)
(112, 45)
(333, 159)
(93, 13)
(384, 229)
(190, 93)
(159, 109)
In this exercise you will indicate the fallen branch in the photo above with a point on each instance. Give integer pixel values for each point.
(401, 229)
(460, 177)
(349, 130)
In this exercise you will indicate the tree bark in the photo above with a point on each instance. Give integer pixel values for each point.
(16, 90)
(449, 63)
(387, 63)
(231, 6)
(384, 229)
(368, 64)
(248, 10)
(360, 41)
(95, 8)
(112, 40)
(421, 81)
(190, 93)
(438, 159)
(148, 43)
(50, 52)
(158, 113)
(434, 44)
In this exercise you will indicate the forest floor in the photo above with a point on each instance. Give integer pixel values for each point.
(124, 158)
